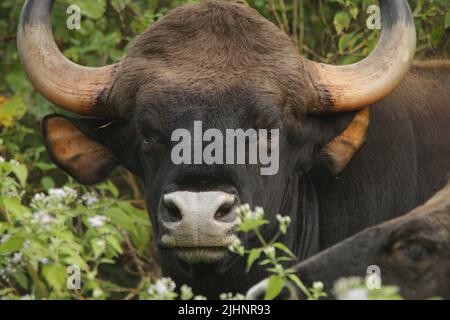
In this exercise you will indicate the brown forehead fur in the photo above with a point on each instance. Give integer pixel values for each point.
(212, 48)
(207, 49)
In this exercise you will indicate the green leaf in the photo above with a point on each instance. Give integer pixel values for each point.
(252, 257)
(341, 21)
(345, 41)
(77, 261)
(447, 20)
(354, 11)
(14, 206)
(274, 287)
(120, 218)
(251, 225)
(13, 244)
(55, 275)
(93, 9)
(285, 249)
(294, 278)
(11, 110)
(21, 172)
(109, 186)
(21, 279)
(115, 243)
(47, 183)
(98, 246)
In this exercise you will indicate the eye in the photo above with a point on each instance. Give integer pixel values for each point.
(152, 141)
(147, 143)
(416, 252)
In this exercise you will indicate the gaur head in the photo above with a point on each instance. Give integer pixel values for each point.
(225, 65)
(412, 252)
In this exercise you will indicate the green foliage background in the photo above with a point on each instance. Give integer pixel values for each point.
(331, 31)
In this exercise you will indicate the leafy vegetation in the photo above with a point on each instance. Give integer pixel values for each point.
(48, 222)
(272, 255)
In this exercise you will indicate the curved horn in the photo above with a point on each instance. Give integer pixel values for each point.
(352, 87)
(64, 83)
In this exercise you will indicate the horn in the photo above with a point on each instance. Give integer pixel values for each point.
(68, 85)
(352, 87)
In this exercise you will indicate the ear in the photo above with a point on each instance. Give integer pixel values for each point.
(82, 157)
(341, 149)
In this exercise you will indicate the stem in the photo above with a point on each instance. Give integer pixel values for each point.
(139, 264)
(301, 36)
(284, 15)
(273, 10)
(275, 238)
(294, 25)
(305, 290)
(7, 217)
(42, 291)
(260, 238)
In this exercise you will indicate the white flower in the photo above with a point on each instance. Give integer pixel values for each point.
(97, 221)
(354, 294)
(237, 247)
(2, 159)
(38, 197)
(17, 257)
(43, 218)
(97, 293)
(270, 252)
(100, 243)
(283, 223)
(230, 296)
(57, 193)
(64, 193)
(350, 288)
(46, 219)
(318, 285)
(162, 288)
(246, 214)
(26, 244)
(186, 292)
(89, 199)
(5, 238)
(43, 260)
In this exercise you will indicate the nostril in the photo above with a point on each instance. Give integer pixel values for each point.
(226, 212)
(173, 214)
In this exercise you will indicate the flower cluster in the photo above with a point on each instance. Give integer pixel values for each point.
(245, 214)
(230, 296)
(283, 223)
(237, 247)
(98, 221)
(248, 219)
(56, 199)
(164, 289)
(89, 199)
